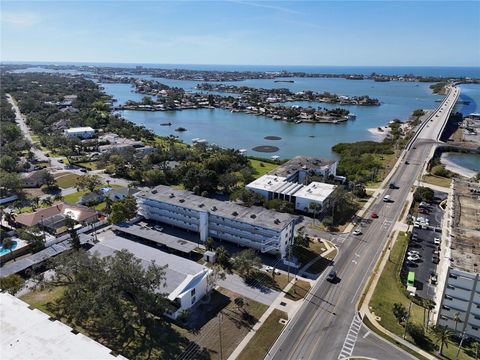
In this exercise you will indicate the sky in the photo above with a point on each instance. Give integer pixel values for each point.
(343, 33)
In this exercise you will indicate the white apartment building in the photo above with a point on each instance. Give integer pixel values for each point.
(254, 227)
(80, 132)
(186, 281)
(288, 182)
(461, 301)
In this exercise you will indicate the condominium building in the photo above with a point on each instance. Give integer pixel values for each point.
(459, 305)
(289, 182)
(80, 132)
(254, 227)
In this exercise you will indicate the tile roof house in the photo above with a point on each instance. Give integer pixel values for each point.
(58, 211)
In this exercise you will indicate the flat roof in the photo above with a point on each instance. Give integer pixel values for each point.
(80, 129)
(254, 215)
(298, 163)
(19, 265)
(172, 242)
(316, 191)
(178, 268)
(30, 334)
(465, 238)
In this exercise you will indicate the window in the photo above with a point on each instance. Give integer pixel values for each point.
(446, 307)
(448, 297)
(452, 276)
(451, 287)
(192, 293)
(475, 328)
(193, 300)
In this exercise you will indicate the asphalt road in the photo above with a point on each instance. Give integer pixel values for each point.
(322, 328)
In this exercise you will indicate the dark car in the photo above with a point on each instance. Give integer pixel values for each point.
(83, 170)
(406, 163)
(435, 260)
(374, 216)
(332, 275)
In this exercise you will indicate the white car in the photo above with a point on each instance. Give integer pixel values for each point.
(413, 258)
(413, 252)
(436, 241)
(357, 232)
(270, 269)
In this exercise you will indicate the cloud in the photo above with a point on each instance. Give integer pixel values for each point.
(19, 19)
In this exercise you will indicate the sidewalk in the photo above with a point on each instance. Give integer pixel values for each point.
(365, 309)
(290, 308)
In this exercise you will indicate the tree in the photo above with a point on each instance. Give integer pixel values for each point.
(223, 258)
(74, 239)
(11, 283)
(89, 182)
(248, 197)
(215, 276)
(240, 303)
(228, 182)
(442, 335)
(115, 296)
(457, 319)
(315, 208)
(423, 193)
(7, 244)
(246, 263)
(209, 243)
(33, 236)
(123, 210)
(476, 348)
(9, 218)
(400, 312)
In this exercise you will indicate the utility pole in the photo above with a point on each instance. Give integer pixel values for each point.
(460, 346)
(220, 334)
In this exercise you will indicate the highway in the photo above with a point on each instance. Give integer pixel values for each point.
(326, 326)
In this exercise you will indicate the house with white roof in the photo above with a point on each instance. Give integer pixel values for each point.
(85, 132)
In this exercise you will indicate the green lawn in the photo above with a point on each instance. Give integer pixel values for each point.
(67, 180)
(264, 338)
(90, 165)
(299, 290)
(390, 290)
(437, 180)
(387, 162)
(261, 167)
(41, 299)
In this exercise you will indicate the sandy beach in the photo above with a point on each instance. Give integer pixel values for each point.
(380, 134)
(457, 169)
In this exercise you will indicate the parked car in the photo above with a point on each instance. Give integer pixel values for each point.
(271, 269)
(435, 260)
(374, 216)
(413, 252)
(423, 211)
(83, 170)
(413, 257)
(332, 275)
(406, 163)
(433, 279)
(357, 232)
(436, 241)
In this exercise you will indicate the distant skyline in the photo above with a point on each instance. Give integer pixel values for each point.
(342, 33)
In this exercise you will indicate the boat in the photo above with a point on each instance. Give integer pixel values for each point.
(166, 124)
(298, 121)
(284, 81)
(351, 116)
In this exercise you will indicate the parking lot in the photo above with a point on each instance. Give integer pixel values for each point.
(422, 243)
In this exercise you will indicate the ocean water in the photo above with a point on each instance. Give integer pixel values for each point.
(245, 131)
(469, 162)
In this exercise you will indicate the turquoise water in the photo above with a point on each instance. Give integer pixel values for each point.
(6, 251)
(246, 131)
(467, 161)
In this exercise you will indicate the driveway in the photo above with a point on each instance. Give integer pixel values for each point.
(235, 283)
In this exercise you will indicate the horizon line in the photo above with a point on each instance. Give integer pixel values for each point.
(26, 62)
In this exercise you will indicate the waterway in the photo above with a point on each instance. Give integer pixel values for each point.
(464, 164)
(245, 131)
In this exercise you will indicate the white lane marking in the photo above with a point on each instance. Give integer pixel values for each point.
(366, 334)
(351, 338)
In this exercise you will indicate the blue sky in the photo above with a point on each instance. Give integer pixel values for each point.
(243, 32)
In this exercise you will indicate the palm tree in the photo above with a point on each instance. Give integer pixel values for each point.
(476, 348)
(442, 334)
(457, 319)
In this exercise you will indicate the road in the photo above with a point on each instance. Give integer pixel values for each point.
(326, 326)
(55, 164)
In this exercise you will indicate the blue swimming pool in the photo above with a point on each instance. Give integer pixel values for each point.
(5, 251)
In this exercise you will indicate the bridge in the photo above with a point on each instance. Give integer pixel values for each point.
(327, 325)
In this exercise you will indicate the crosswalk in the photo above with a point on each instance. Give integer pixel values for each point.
(351, 339)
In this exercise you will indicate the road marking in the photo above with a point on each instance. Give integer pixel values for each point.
(367, 333)
(351, 338)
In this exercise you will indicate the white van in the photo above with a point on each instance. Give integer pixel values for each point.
(386, 198)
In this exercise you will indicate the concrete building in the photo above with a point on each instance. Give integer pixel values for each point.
(289, 181)
(254, 227)
(28, 333)
(80, 132)
(186, 281)
(459, 304)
